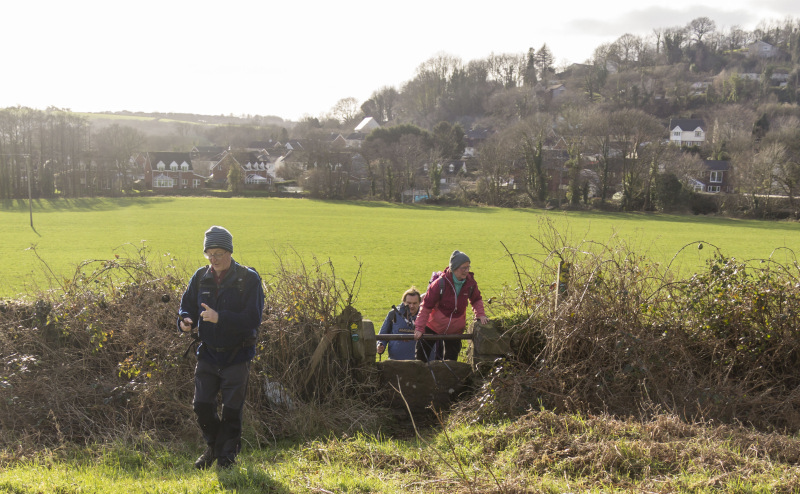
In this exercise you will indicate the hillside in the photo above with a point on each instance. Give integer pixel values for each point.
(508, 130)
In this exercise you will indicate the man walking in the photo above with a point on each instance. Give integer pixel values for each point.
(224, 301)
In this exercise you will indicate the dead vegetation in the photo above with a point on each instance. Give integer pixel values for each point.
(99, 358)
(622, 335)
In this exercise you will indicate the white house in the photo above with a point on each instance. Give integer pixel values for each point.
(687, 131)
(699, 88)
(762, 49)
(367, 125)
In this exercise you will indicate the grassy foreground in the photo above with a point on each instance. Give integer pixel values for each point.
(398, 245)
(540, 452)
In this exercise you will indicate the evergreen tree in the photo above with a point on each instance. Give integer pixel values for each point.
(235, 178)
(529, 78)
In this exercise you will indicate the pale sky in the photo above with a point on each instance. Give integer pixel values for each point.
(297, 58)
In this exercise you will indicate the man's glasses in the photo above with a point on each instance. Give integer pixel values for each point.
(216, 257)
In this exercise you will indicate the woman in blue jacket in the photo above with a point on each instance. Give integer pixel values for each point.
(401, 321)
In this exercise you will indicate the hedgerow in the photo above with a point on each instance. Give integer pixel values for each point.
(624, 335)
(99, 358)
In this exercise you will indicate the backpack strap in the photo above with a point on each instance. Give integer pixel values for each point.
(241, 275)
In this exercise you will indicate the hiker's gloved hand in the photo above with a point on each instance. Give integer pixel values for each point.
(417, 334)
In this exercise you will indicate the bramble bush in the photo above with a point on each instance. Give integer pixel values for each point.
(99, 358)
(627, 336)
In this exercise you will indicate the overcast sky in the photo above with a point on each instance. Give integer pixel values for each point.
(297, 58)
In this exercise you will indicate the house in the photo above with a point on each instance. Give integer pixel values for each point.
(355, 139)
(205, 157)
(699, 88)
(260, 146)
(367, 125)
(169, 170)
(472, 139)
(687, 131)
(257, 172)
(336, 140)
(779, 78)
(762, 49)
(716, 177)
(556, 91)
(206, 150)
(293, 145)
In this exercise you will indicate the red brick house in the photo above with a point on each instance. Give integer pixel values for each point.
(169, 171)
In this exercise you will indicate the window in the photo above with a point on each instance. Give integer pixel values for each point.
(160, 165)
(677, 133)
(163, 182)
(184, 167)
(184, 182)
(713, 188)
(173, 166)
(716, 177)
(698, 133)
(196, 183)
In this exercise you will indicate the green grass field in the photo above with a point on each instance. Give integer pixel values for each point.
(399, 245)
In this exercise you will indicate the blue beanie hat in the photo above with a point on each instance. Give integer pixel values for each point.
(457, 258)
(218, 238)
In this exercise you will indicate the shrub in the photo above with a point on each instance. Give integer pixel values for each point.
(99, 358)
(622, 334)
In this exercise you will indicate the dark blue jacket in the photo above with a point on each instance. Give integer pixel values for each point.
(239, 301)
(400, 323)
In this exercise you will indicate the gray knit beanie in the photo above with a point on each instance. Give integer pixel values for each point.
(218, 238)
(457, 258)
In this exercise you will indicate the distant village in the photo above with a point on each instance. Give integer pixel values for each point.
(260, 163)
(690, 118)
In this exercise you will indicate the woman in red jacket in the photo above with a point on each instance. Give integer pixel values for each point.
(444, 309)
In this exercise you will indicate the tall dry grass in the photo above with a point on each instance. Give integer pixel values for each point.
(624, 335)
(98, 357)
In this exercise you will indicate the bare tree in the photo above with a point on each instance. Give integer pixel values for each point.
(632, 130)
(114, 147)
(700, 27)
(786, 137)
(494, 164)
(598, 130)
(528, 139)
(755, 174)
(508, 69)
(728, 124)
(381, 104)
(346, 110)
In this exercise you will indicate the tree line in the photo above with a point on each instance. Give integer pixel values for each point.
(610, 124)
(57, 154)
(603, 137)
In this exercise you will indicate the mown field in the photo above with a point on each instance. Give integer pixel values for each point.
(394, 245)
